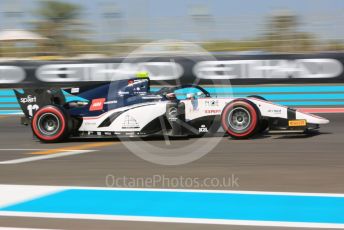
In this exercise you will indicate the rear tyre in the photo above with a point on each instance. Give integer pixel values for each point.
(240, 119)
(51, 124)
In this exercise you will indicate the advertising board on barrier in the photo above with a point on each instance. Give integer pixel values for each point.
(247, 69)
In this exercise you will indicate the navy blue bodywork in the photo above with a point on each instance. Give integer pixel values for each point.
(116, 94)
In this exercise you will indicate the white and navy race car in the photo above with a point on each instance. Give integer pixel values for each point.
(129, 108)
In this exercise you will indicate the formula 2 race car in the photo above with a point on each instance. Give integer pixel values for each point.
(129, 108)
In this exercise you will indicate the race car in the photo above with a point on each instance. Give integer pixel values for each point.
(129, 108)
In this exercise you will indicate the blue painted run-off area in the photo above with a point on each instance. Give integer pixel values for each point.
(205, 205)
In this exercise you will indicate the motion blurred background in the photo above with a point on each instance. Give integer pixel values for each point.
(74, 28)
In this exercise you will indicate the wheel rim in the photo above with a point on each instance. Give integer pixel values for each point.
(239, 119)
(48, 124)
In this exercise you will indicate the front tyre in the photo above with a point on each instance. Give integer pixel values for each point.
(51, 124)
(240, 119)
(264, 123)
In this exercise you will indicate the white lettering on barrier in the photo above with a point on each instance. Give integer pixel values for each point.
(277, 69)
(315, 68)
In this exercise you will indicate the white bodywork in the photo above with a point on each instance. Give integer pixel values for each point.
(133, 120)
(214, 106)
(137, 116)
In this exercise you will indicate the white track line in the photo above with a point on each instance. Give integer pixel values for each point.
(22, 149)
(173, 220)
(38, 187)
(8, 228)
(44, 157)
(13, 194)
(37, 149)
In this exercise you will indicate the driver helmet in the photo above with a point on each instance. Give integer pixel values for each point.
(171, 96)
(190, 96)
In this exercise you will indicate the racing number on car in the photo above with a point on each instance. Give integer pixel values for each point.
(32, 108)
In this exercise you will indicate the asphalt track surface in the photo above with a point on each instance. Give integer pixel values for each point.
(288, 163)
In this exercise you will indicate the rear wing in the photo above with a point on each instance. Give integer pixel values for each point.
(30, 100)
